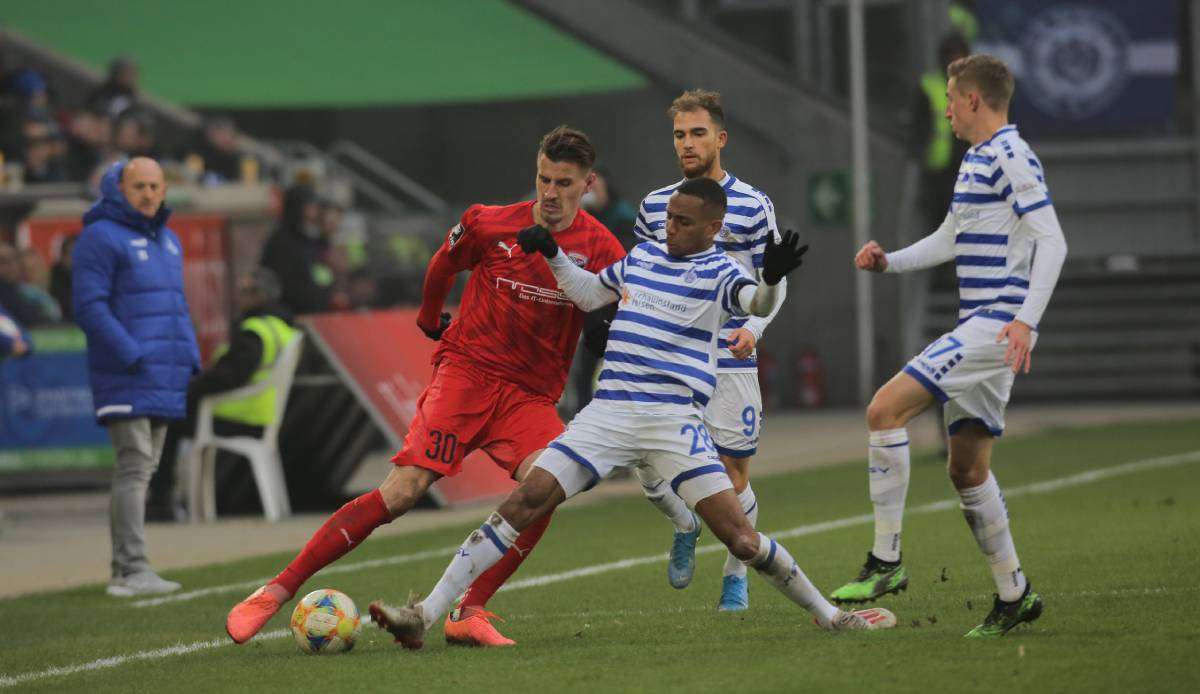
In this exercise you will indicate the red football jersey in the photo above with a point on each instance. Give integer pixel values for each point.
(514, 323)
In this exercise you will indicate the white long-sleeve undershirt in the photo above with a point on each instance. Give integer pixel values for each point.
(583, 288)
(1049, 254)
(935, 249)
(758, 324)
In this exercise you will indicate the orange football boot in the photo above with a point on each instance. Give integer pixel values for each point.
(248, 616)
(471, 626)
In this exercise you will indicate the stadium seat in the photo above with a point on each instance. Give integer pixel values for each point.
(263, 453)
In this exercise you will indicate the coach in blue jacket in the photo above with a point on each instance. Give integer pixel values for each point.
(128, 298)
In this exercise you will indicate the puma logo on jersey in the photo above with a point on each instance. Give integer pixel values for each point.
(507, 248)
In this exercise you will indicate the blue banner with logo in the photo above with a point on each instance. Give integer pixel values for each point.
(47, 421)
(1087, 68)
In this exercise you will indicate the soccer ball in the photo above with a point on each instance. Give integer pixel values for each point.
(325, 622)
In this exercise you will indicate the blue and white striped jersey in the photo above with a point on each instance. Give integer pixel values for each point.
(662, 345)
(750, 216)
(999, 181)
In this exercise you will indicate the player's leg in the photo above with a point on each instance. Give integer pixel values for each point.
(905, 396)
(735, 590)
(723, 514)
(448, 415)
(679, 451)
(572, 463)
(681, 562)
(734, 419)
(974, 420)
(536, 497)
(518, 431)
(469, 624)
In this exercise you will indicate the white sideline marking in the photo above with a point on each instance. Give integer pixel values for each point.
(179, 649)
(1045, 487)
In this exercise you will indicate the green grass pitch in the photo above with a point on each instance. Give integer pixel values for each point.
(1116, 557)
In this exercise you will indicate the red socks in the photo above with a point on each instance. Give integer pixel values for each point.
(345, 529)
(490, 581)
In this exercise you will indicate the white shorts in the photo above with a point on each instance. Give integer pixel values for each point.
(603, 437)
(734, 414)
(965, 370)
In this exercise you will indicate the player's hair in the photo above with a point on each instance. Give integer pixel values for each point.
(710, 193)
(699, 100)
(986, 73)
(565, 143)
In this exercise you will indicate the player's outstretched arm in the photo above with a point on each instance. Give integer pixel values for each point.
(935, 249)
(583, 288)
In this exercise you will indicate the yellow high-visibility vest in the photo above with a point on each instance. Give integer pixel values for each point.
(259, 410)
(941, 139)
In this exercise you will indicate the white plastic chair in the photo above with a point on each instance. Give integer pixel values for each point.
(263, 453)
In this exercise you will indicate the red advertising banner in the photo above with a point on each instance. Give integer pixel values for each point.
(385, 360)
(205, 273)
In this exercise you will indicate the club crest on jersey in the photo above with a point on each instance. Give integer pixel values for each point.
(690, 276)
(455, 234)
(577, 258)
(726, 234)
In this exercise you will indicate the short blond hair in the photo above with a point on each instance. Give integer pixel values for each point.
(699, 100)
(986, 73)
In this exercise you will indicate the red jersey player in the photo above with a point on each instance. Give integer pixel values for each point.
(491, 388)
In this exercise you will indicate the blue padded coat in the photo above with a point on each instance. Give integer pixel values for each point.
(128, 293)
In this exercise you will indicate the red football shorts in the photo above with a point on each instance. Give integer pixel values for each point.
(462, 410)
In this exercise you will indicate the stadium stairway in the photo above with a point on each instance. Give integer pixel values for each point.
(1126, 327)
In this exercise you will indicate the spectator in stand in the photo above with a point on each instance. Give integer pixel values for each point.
(614, 212)
(35, 285)
(14, 342)
(88, 135)
(262, 330)
(129, 301)
(60, 279)
(119, 92)
(135, 134)
(23, 92)
(42, 154)
(19, 299)
(297, 252)
(218, 149)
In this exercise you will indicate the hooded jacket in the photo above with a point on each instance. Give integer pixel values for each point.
(127, 273)
(296, 258)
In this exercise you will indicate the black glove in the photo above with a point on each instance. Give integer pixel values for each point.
(781, 258)
(537, 238)
(436, 334)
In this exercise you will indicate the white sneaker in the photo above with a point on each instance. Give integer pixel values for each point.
(142, 583)
(863, 620)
